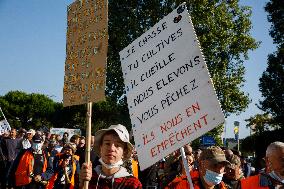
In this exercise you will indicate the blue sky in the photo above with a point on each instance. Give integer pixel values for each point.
(32, 51)
(255, 66)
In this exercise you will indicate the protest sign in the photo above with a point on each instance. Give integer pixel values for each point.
(4, 125)
(86, 52)
(61, 131)
(170, 95)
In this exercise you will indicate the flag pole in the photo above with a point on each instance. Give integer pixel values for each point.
(186, 168)
(225, 134)
(88, 139)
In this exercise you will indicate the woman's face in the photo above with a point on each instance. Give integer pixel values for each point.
(111, 149)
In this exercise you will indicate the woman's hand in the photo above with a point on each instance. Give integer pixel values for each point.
(85, 173)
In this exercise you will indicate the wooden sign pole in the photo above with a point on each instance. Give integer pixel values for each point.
(185, 165)
(88, 138)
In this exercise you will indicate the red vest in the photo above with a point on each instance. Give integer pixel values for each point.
(182, 183)
(252, 182)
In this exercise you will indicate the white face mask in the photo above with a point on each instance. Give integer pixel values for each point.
(110, 166)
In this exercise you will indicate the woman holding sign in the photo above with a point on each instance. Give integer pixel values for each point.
(113, 147)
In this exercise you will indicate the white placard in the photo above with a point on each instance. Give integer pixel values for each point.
(4, 126)
(170, 95)
(61, 131)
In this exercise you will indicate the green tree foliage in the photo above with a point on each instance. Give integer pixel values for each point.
(109, 112)
(261, 122)
(275, 9)
(222, 26)
(27, 110)
(223, 30)
(272, 87)
(272, 80)
(69, 117)
(37, 110)
(258, 143)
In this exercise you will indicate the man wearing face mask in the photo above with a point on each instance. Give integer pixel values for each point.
(31, 163)
(273, 178)
(212, 162)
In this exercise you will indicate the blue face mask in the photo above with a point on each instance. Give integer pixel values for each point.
(212, 178)
(276, 177)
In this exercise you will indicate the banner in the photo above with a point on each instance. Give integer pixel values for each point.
(86, 52)
(4, 125)
(170, 95)
(61, 131)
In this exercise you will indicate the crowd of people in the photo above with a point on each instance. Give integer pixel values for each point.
(36, 160)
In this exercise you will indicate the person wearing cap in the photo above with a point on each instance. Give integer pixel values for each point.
(212, 162)
(66, 169)
(31, 133)
(233, 172)
(113, 147)
(273, 177)
(27, 141)
(29, 164)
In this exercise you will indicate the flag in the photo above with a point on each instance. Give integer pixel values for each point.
(236, 129)
(4, 125)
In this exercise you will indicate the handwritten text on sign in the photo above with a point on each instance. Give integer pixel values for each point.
(86, 52)
(170, 95)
